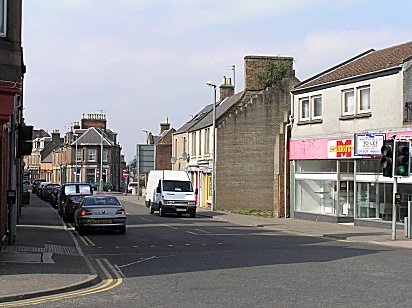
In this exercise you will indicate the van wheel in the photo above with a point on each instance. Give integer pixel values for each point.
(151, 209)
(161, 213)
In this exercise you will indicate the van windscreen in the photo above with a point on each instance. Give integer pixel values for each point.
(181, 186)
(77, 189)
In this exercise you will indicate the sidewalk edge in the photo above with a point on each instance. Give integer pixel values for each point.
(89, 282)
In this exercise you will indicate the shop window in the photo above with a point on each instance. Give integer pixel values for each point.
(316, 166)
(316, 196)
(368, 166)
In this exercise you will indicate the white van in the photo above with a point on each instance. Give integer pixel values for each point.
(130, 186)
(170, 191)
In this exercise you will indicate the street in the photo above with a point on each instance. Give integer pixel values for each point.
(200, 262)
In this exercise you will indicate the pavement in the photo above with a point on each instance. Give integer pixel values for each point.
(46, 258)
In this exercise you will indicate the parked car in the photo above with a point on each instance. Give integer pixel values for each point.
(131, 186)
(35, 184)
(106, 186)
(26, 193)
(100, 211)
(40, 188)
(65, 204)
(54, 196)
(47, 191)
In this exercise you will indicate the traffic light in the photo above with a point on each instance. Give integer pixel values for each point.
(402, 158)
(387, 158)
(24, 143)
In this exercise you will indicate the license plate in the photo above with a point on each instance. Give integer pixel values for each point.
(100, 221)
(180, 210)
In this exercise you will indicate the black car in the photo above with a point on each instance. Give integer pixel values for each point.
(53, 197)
(69, 198)
(36, 184)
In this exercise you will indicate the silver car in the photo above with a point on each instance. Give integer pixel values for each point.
(100, 211)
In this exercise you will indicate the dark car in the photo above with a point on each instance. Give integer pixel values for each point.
(100, 211)
(65, 204)
(106, 186)
(40, 188)
(54, 196)
(36, 184)
(47, 191)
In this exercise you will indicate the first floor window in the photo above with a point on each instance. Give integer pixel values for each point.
(3, 17)
(106, 155)
(304, 109)
(207, 140)
(348, 102)
(91, 154)
(364, 99)
(194, 144)
(317, 106)
(79, 155)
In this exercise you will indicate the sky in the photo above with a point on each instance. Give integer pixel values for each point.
(140, 61)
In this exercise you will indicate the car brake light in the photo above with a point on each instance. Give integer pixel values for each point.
(85, 212)
(121, 212)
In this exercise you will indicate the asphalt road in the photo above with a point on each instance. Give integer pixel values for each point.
(200, 262)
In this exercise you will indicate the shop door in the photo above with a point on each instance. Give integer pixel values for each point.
(346, 198)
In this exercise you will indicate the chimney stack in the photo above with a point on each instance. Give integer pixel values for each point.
(164, 126)
(226, 89)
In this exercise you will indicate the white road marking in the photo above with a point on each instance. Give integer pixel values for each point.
(202, 231)
(170, 227)
(190, 232)
(146, 219)
(143, 260)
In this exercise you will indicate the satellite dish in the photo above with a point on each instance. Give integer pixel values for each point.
(184, 156)
(173, 160)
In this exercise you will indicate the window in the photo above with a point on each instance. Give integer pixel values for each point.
(407, 116)
(207, 140)
(184, 144)
(200, 143)
(3, 17)
(364, 100)
(356, 101)
(304, 109)
(106, 155)
(79, 155)
(194, 144)
(310, 108)
(348, 102)
(91, 154)
(317, 107)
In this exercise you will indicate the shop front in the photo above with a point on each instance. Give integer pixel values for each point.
(330, 183)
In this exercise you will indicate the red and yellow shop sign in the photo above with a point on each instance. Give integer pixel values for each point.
(340, 148)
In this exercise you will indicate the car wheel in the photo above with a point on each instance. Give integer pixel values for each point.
(193, 215)
(161, 212)
(122, 230)
(81, 230)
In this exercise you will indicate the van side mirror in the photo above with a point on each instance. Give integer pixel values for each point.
(196, 191)
(158, 190)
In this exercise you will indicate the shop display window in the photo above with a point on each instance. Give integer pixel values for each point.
(316, 166)
(316, 196)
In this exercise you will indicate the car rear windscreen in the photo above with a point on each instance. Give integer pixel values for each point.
(78, 189)
(101, 201)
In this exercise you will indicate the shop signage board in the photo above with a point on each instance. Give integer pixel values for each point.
(340, 149)
(368, 144)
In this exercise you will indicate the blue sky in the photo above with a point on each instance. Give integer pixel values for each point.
(141, 61)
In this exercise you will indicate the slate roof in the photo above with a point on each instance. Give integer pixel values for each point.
(371, 61)
(221, 109)
(92, 136)
(200, 115)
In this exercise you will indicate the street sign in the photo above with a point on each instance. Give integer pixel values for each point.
(125, 174)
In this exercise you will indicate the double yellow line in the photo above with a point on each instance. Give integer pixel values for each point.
(113, 280)
(86, 241)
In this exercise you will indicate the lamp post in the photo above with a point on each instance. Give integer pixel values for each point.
(212, 84)
(147, 134)
(101, 163)
(75, 158)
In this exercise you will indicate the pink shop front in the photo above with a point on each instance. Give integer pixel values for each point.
(331, 182)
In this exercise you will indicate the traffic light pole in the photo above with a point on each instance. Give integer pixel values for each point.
(395, 190)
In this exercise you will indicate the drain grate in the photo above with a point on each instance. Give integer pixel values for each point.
(61, 250)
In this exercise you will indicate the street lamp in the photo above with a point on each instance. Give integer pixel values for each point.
(101, 162)
(75, 168)
(147, 134)
(213, 85)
